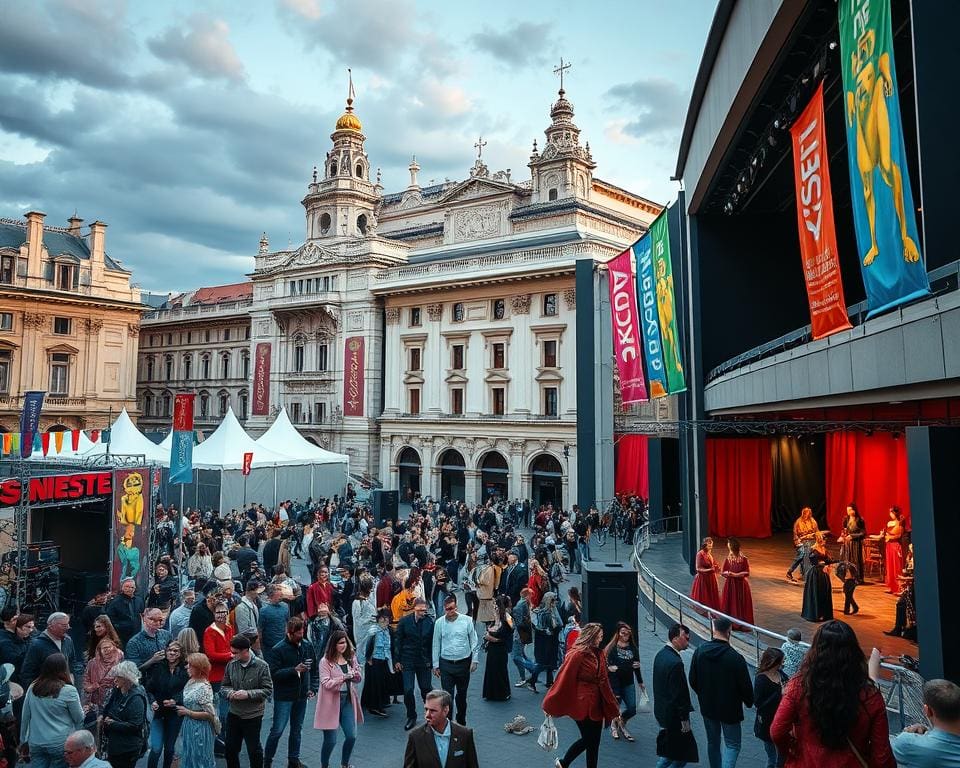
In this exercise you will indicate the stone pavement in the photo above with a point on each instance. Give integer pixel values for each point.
(380, 742)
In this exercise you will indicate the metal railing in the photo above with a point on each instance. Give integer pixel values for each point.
(902, 692)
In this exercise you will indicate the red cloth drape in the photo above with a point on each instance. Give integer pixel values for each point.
(739, 486)
(870, 471)
(632, 475)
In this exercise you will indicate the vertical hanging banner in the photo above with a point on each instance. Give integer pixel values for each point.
(883, 212)
(353, 382)
(131, 504)
(247, 463)
(663, 273)
(626, 329)
(649, 320)
(30, 421)
(261, 379)
(818, 237)
(181, 448)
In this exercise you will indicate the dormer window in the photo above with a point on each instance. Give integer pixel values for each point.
(359, 171)
(64, 277)
(7, 269)
(333, 169)
(325, 223)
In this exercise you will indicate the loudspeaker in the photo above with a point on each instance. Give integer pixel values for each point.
(386, 507)
(609, 596)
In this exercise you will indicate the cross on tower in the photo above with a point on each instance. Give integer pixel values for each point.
(479, 147)
(560, 70)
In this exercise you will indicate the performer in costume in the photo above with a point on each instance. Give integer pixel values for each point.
(805, 531)
(737, 598)
(817, 592)
(705, 589)
(851, 539)
(893, 550)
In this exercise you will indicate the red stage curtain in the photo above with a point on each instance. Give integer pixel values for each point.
(631, 475)
(870, 471)
(739, 486)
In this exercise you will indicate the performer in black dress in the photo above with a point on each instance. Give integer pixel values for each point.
(817, 592)
(851, 539)
(499, 642)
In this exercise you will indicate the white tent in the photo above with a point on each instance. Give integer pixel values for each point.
(126, 439)
(224, 449)
(67, 454)
(283, 437)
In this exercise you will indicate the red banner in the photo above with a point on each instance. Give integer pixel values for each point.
(626, 328)
(183, 412)
(247, 462)
(261, 380)
(353, 376)
(818, 238)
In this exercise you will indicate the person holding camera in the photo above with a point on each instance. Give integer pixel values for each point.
(292, 667)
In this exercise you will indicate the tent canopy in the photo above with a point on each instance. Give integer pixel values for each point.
(125, 438)
(224, 449)
(283, 437)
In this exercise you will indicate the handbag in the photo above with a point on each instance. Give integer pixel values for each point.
(643, 703)
(547, 740)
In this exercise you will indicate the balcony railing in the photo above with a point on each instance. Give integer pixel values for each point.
(196, 311)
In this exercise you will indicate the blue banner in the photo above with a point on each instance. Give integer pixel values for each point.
(888, 245)
(30, 421)
(181, 458)
(649, 317)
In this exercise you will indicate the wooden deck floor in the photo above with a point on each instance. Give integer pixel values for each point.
(777, 602)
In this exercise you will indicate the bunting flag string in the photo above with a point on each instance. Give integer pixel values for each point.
(58, 441)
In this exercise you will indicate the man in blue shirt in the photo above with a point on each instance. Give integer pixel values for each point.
(440, 743)
(454, 645)
(937, 747)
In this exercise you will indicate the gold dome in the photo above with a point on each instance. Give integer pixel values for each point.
(349, 121)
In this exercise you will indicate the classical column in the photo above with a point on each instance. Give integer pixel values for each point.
(516, 470)
(521, 360)
(568, 357)
(471, 486)
(393, 388)
(433, 364)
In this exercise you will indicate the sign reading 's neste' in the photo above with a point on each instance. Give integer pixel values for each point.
(83, 485)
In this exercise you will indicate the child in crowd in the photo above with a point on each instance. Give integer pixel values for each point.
(793, 653)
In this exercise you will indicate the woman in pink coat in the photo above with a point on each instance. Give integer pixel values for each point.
(338, 705)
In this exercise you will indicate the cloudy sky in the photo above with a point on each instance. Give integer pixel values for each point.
(191, 126)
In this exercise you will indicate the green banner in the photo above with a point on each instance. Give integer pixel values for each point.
(669, 336)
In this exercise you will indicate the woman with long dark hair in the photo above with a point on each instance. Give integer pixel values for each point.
(831, 713)
(165, 683)
(851, 539)
(378, 665)
(338, 706)
(623, 664)
(499, 643)
(767, 692)
(817, 590)
(893, 550)
(102, 627)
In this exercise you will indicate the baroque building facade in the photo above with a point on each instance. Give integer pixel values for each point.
(69, 324)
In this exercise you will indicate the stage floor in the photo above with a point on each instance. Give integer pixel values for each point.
(777, 602)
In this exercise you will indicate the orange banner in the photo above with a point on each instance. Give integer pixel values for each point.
(818, 238)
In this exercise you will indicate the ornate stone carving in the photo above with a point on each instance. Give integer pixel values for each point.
(93, 325)
(520, 304)
(355, 321)
(434, 311)
(393, 315)
(33, 319)
(476, 223)
(570, 298)
(516, 447)
(133, 330)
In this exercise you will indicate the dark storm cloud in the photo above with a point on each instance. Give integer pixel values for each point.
(77, 40)
(525, 42)
(653, 106)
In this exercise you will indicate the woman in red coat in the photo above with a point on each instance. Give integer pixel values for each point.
(831, 713)
(538, 583)
(582, 692)
(705, 589)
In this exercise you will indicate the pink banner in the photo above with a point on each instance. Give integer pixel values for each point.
(626, 328)
(261, 380)
(353, 376)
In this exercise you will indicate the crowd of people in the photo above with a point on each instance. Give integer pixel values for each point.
(406, 611)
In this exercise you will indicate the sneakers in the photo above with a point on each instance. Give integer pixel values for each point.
(520, 683)
(518, 726)
(531, 686)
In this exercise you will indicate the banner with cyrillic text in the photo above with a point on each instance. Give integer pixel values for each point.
(649, 321)
(818, 238)
(666, 301)
(626, 328)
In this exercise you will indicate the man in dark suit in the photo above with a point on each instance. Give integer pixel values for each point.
(671, 702)
(440, 743)
(516, 577)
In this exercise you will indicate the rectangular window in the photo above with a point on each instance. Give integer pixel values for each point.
(550, 305)
(320, 412)
(293, 287)
(456, 401)
(298, 359)
(246, 333)
(206, 335)
(170, 339)
(64, 280)
(154, 340)
(322, 352)
(189, 337)
(457, 357)
(499, 355)
(204, 406)
(550, 354)
(414, 402)
(61, 325)
(499, 401)
(414, 359)
(225, 367)
(4, 371)
(205, 364)
(7, 264)
(550, 401)
(414, 317)
(295, 413)
(59, 373)
(246, 366)
(6, 321)
(499, 309)
(458, 312)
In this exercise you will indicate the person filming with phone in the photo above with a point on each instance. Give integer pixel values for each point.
(293, 664)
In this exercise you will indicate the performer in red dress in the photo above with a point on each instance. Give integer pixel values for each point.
(704, 589)
(893, 550)
(737, 600)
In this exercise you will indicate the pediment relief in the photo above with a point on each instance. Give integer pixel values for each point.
(456, 377)
(413, 378)
(495, 376)
(549, 375)
(472, 188)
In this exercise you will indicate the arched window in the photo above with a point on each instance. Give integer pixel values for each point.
(205, 366)
(359, 170)
(225, 366)
(298, 354)
(245, 362)
(244, 400)
(552, 194)
(224, 399)
(167, 404)
(148, 404)
(362, 224)
(204, 405)
(333, 169)
(150, 369)
(324, 223)
(168, 368)
(188, 367)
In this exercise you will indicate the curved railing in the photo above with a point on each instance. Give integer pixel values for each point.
(902, 691)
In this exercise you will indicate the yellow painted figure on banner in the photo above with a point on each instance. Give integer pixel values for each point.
(868, 107)
(665, 310)
(130, 513)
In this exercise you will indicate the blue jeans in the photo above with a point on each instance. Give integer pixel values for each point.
(223, 709)
(774, 760)
(535, 668)
(284, 713)
(348, 723)
(731, 742)
(519, 656)
(44, 757)
(163, 738)
(583, 549)
(665, 762)
(627, 695)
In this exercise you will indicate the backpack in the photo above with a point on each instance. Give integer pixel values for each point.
(147, 722)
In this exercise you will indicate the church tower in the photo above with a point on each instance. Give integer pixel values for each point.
(563, 169)
(342, 204)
